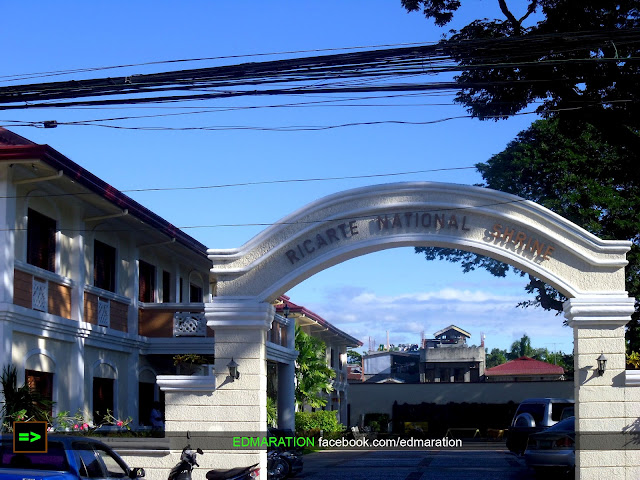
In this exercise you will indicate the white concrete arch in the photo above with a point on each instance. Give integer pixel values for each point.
(587, 270)
(360, 221)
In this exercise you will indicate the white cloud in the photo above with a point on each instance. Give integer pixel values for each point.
(365, 314)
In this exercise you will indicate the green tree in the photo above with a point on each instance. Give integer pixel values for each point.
(521, 348)
(496, 357)
(584, 179)
(528, 55)
(313, 375)
(588, 88)
(354, 357)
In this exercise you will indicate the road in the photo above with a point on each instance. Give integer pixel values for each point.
(448, 464)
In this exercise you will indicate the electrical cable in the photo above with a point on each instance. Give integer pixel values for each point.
(302, 222)
(245, 184)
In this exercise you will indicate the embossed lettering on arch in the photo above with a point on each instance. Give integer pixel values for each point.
(364, 220)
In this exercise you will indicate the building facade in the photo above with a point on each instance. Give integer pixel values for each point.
(99, 293)
(100, 296)
(448, 359)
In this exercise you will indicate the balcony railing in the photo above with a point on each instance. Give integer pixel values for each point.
(172, 320)
(186, 324)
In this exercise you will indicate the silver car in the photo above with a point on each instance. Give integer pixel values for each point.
(553, 449)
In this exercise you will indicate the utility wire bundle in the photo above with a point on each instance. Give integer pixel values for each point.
(355, 72)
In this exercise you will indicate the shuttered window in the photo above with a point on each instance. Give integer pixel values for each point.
(41, 241)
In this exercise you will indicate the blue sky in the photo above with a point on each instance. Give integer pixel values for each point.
(393, 290)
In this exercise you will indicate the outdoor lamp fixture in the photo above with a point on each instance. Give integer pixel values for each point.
(286, 310)
(233, 370)
(602, 364)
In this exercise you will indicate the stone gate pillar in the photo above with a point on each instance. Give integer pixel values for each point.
(601, 404)
(241, 328)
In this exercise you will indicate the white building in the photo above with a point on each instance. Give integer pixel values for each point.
(98, 293)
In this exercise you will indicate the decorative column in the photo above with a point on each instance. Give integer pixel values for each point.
(286, 383)
(598, 328)
(7, 256)
(237, 407)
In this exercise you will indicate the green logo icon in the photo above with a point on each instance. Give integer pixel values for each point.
(29, 437)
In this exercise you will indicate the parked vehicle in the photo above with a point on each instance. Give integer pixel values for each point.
(67, 458)
(534, 415)
(183, 469)
(281, 462)
(553, 449)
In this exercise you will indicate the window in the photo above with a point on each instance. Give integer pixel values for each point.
(181, 289)
(104, 266)
(102, 398)
(166, 286)
(195, 293)
(41, 241)
(96, 461)
(41, 382)
(147, 282)
(333, 359)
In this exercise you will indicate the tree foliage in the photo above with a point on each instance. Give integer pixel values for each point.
(354, 357)
(313, 375)
(522, 347)
(582, 163)
(591, 81)
(582, 178)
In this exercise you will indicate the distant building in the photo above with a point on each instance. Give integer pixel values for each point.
(393, 366)
(447, 358)
(524, 369)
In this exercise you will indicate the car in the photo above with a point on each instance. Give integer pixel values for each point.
(534, 415)
(553, 449)
(67, 458)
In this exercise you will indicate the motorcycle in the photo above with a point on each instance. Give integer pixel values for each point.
(283, 464)
(183, 469)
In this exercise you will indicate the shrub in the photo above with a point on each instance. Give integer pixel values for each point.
(324, 420)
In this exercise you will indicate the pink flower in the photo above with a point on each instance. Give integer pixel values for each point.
(85, 426)
(76, 427)
(120, 423)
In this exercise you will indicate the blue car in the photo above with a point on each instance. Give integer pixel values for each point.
(67, 458)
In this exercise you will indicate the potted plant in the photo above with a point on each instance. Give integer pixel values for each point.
(191, 364)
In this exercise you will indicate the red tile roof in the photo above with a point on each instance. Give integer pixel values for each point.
(525, 366)
(14, 146)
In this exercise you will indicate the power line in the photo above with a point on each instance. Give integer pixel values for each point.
(263, 182)
(354, 72)
(260, 224)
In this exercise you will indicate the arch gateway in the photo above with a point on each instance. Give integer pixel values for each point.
(589, 271)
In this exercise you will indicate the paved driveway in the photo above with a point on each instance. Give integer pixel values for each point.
(415, 465)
